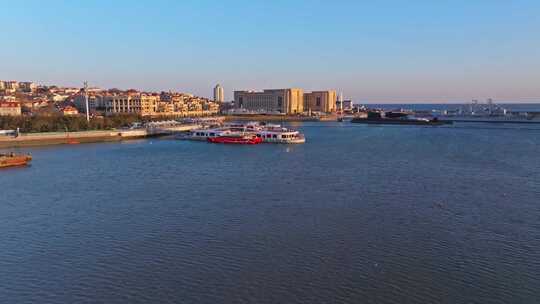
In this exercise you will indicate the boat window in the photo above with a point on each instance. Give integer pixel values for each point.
(212, 134)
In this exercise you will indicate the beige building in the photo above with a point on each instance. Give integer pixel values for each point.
(10, 109)
(131, 104)
(11, 86)
(320, 101)
(149, 104)
(287, 101)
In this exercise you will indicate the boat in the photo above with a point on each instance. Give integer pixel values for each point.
(239, 138)
(277, 134)
(269, 133)
(397, 118)
(14, 160)
(488, 112)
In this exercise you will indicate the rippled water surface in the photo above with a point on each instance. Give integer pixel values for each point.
(358, 214)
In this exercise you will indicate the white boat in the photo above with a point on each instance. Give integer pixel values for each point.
(278, 135)
(268, 133)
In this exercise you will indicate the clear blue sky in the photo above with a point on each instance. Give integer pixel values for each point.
(374, 51)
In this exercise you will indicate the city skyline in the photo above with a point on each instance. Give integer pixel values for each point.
(397, 53)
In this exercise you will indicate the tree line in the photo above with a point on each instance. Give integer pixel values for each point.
(59, 123)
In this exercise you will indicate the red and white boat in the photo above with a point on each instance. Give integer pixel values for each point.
(243, 139)
(269, 133)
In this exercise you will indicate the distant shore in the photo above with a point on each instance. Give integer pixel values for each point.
(59, 138)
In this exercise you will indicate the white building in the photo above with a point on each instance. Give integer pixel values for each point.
(219, 95)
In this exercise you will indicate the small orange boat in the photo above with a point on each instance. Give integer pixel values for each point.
(14, 160)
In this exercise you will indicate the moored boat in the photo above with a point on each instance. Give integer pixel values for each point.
(243, 139)
(268, 133)
(14, 160)
(279, 135)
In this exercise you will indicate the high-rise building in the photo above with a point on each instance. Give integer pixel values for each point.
(287, 101)
(219, 95)
(320, 101)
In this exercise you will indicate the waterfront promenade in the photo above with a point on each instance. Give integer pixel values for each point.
(58, 138)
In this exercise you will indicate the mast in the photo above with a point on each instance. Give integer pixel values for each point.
(341, 102)
(86, 101)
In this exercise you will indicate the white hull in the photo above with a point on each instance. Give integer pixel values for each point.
(269, 134)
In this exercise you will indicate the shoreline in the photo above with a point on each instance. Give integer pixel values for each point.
(66, 138)
(95, 136)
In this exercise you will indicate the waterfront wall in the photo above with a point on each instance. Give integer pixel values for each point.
(55, 138)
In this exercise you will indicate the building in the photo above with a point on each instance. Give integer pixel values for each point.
(149, 104)
(286, 101)
(27, 86)
(142, 104)
(95, 102)
(10, 109)
(11, 86)
(2, 85)
(347, 105)
(219, 95)
(70, 111)
(122, 104)
(320, 101)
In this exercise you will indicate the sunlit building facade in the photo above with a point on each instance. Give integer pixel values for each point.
(320, 101)
(286, 101)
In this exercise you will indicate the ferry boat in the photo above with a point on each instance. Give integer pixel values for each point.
(236, 138)
(14, 160)
(279, 135)
(270, 133)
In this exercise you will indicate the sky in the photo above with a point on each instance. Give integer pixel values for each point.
(372, 51)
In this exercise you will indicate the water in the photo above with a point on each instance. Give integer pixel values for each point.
(518, 107)
(358, 214)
